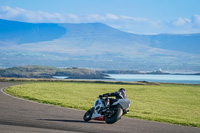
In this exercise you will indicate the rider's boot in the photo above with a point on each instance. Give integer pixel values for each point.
(125, 111)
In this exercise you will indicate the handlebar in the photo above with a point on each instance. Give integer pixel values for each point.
(101, 97)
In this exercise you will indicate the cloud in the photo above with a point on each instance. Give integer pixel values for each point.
(133, 19)
(93, 18)
(112, 17)
(196, 20)
(184, 25)
(122, 22)
(99, 18)
(182, 21)
(20, 14)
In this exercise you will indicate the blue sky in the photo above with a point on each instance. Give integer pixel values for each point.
(135, 16)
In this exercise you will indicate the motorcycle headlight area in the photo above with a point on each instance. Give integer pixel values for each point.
(98, 105)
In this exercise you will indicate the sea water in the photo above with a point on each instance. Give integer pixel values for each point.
(187, 79)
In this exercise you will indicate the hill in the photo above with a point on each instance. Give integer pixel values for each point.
(95, 45)
(188, 43)
(15, 33)
(49, 72)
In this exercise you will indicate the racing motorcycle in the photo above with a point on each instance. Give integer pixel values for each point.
(109, 115)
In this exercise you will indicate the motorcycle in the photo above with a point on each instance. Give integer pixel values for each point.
(110, 115)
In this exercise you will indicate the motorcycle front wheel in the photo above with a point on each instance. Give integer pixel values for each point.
(88, 114)
(115, 117)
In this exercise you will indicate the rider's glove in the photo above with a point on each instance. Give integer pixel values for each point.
(100, 96)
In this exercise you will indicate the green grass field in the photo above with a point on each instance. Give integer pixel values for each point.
(170, 103)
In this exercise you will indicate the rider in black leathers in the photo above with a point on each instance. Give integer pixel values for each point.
(120, 94)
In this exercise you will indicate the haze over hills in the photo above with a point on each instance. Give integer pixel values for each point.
(95, 45)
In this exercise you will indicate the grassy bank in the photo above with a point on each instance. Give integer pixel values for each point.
(171, 103)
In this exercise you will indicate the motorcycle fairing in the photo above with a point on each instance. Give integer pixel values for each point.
(98, 104)
(101, 118)
(123, 102)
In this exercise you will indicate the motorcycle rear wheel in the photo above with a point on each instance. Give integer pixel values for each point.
(115, 117)
(88, 114)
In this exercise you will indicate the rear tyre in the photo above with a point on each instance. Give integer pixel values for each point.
(88, 114)
(115, 117)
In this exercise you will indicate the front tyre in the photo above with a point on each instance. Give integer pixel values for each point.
(88, 114)
(115, 117)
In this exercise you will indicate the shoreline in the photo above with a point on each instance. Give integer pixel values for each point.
(88, 81)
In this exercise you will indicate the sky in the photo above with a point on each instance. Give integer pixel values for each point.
(134, 16)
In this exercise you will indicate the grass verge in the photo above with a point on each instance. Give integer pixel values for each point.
(170, 103)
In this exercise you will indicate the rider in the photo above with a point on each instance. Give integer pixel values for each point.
(120, 94)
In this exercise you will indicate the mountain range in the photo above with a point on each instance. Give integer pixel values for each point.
(95, 45)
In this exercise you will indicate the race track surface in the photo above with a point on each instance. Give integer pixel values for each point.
(21, 116)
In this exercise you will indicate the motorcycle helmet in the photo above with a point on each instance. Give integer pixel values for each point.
(122, 90)
(122, 93)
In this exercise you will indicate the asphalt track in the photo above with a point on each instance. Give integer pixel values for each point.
(21, 116)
